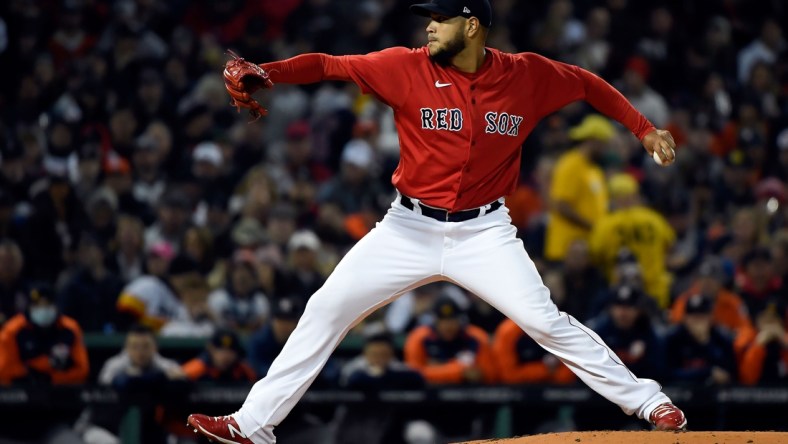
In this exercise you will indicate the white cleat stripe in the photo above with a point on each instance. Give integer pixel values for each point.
(221, 440)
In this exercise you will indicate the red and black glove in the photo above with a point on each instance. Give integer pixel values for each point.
(242, 79)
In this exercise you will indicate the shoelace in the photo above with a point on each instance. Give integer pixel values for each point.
(225, 417)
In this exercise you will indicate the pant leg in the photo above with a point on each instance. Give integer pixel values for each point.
(491, 262)
(402, 252)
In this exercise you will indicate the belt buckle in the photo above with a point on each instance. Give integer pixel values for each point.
(416, 205)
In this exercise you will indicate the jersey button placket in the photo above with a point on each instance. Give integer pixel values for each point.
(473, 99)
(467, 167)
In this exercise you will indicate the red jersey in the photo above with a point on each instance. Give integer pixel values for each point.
(461, 134)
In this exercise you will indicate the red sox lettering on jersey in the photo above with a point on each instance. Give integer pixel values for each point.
(441, 119)
(451, 120)
(503, 123)
(461, 133)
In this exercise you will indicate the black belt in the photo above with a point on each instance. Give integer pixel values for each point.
(444, 215)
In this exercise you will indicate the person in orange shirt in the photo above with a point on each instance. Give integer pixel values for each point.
(222, 361)
(765, 361)
(521, 360)
(729, 310)
(42, 345)
(450, 351)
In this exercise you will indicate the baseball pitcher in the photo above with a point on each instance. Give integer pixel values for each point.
(462, 112)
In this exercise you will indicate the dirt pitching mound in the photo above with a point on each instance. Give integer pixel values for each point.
(646, 437)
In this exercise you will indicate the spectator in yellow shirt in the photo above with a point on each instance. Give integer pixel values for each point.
(577, 190)
(639, 229)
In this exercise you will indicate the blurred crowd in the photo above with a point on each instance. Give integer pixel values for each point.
(135, 201)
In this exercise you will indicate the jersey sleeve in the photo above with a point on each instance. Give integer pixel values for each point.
(382, 73)
(554, 84)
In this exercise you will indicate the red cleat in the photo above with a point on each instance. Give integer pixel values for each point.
(221, 429)
(668, 417)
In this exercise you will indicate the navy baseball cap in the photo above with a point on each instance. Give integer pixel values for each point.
(41, 290)
(480, 9)
(227, 339)
(447, 308)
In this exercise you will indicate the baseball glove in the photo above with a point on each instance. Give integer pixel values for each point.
(242, 79)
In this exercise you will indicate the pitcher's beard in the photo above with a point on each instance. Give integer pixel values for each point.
(444, 56)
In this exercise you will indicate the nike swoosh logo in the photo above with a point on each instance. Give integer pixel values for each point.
(438, 84)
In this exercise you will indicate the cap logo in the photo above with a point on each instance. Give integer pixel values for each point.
(465, 10)
(227, 341)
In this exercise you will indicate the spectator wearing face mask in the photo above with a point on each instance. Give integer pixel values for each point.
(41, 345)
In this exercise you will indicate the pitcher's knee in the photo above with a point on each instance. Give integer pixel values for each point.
(538, 329)
(331, 310)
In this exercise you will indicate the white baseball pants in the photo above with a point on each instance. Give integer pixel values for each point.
(407, 250)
